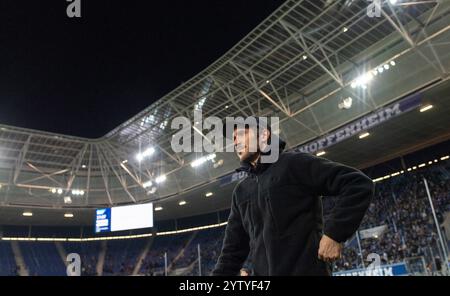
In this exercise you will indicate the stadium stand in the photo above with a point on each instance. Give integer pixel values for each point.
(400, 203)
(89, 253)
(7, 262)
(42, 259)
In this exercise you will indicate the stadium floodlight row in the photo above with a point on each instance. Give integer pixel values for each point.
(413, 168)
(298, 64)
(117, 237)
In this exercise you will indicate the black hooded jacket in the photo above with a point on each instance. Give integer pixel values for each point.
(276, 213)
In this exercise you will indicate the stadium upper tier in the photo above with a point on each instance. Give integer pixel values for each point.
(300, 64)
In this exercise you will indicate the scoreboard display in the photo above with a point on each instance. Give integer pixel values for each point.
(124, 218)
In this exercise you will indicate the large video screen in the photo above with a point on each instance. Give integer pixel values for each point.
(124, 218)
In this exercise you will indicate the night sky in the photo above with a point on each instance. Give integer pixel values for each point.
(85, 76)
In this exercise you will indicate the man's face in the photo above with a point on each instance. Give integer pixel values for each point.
(245, 143)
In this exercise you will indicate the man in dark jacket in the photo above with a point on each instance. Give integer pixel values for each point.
(276, 211)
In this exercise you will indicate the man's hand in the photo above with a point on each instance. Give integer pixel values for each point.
(329, 250)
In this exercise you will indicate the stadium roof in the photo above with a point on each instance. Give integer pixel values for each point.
(299, 64)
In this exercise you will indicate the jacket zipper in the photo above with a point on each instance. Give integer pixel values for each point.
(256, 207)
(262, 232)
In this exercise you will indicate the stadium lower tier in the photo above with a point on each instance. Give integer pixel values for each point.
(399, 227)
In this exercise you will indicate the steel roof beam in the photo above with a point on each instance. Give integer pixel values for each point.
(104, 175)
(21, 159)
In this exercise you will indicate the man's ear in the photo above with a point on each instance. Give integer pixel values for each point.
(265, 135)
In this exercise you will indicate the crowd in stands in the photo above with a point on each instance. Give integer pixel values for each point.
(401, 203)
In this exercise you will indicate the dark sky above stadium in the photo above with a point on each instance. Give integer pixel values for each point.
(85, 76)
